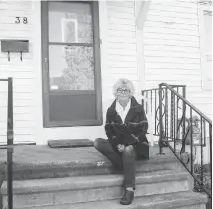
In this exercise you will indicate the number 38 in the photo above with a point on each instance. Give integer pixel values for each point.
(24, 20)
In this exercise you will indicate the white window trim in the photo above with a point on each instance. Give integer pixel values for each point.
(201, 9)
(141, 10)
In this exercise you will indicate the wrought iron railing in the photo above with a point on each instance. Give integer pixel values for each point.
(184, 129)
(10, 136)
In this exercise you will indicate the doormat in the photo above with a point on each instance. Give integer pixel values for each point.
(70, 143)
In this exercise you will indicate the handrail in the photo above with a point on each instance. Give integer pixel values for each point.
(184, 129)
(10, 135)
(188, 103)
(173, 86)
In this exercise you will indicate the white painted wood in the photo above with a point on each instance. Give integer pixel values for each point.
(122, 46)
(121, 58)
(167, 51)
(19, 131)
(172, 25)
(121, 4)
(116, 39)
(17, 103)
(175, 60)
(126, 10)
(181, 72)
(15, 58)
(15, 6)
(172, 49)
(22, 75)
(118, 14)
(19, 34)
(172, 31)
(164, 36)
(171, 66)
(171, 42)
(173, 14)
(172, 20)
(173, 77)
(18, 139)
(205, 32)
(119, 27)
(19, 89)
(21, 71)
(180, 4)
(142, 8)
(129, 65)
(130, 22)
(172, 54)
(122, 52)
(127, 34)
(120, 71)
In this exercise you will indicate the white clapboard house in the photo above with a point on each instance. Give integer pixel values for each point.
(147, 42)
(64, 58)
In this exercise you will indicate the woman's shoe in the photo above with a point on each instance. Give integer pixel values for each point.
(127, 198)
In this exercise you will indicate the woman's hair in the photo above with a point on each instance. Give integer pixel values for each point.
(121, 83)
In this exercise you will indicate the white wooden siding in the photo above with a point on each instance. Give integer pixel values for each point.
(121, 44)
(118, 59)
(172, 49)
(22, 72)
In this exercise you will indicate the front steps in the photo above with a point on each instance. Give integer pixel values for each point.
(183, 200)
(161, 183)
(57, 163)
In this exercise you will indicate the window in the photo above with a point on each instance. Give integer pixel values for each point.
(71, 64)
(205, 24)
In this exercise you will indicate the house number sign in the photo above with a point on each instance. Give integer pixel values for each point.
(22, 20)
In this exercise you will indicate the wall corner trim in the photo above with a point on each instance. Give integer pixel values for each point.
(142, 8)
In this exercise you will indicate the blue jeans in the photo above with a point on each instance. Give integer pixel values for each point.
(123, 161)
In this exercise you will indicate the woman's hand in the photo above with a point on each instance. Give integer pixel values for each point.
(120, 147)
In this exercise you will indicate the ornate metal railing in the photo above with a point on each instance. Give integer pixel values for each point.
(184, 129)
(9, 142)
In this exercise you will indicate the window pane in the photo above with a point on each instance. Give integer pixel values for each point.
(71, 68)
(70, 22)
(72, 107)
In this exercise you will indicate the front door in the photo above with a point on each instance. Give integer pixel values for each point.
(71, 64)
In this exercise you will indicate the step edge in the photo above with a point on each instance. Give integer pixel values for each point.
(68, 185)
(181, 201)
(83, 164)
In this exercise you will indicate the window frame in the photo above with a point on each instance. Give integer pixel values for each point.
(45, 69)
(205, 85)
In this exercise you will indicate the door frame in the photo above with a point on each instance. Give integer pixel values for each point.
(45, 71)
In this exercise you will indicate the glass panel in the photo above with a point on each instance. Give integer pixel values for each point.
(72, 107)
(71, 68)
(70, 22)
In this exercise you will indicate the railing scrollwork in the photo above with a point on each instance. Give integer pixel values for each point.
(184, 129)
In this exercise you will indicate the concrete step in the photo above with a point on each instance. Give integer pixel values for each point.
(94, 164)
(179, 200)
(40, 192)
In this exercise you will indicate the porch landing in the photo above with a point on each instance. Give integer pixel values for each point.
(71, 178)
(43, 154)
(41, 161)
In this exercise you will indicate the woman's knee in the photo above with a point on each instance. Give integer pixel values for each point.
(129, 150)
(98, 143)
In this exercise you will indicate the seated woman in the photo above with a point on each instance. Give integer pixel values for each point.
(126, 128)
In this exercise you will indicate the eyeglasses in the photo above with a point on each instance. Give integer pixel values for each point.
(123, 91)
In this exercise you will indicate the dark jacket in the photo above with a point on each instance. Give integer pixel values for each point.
(136, 123)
